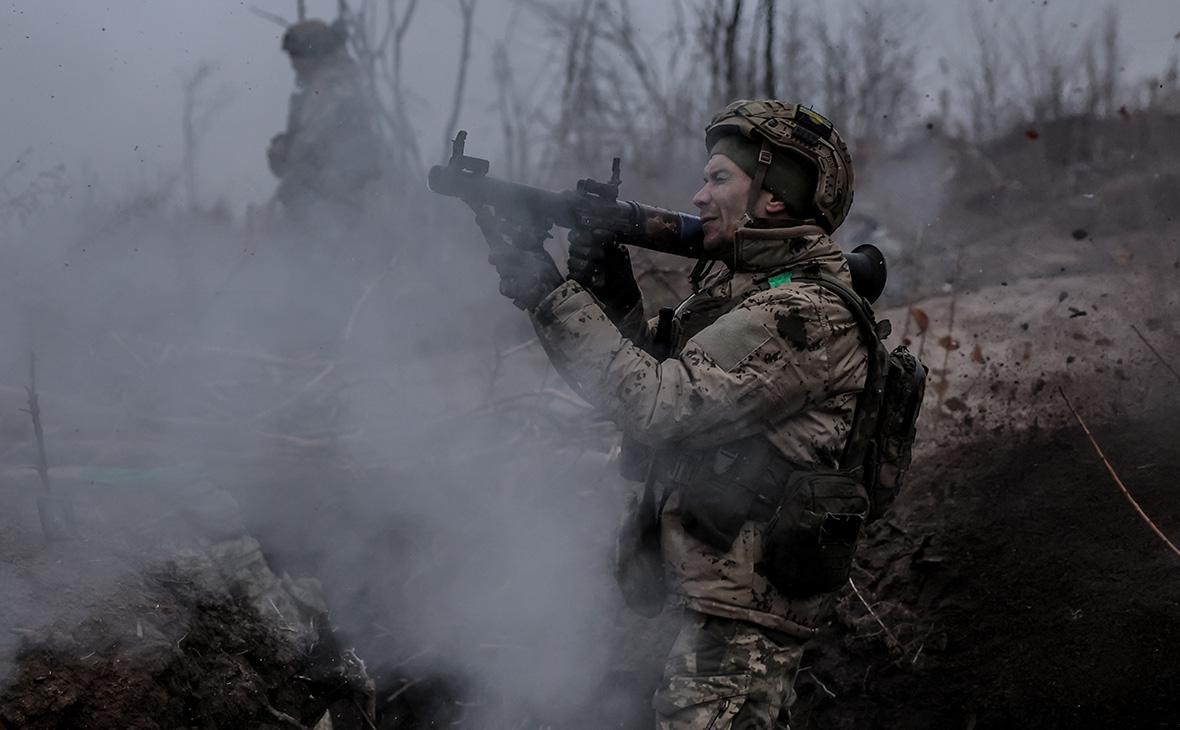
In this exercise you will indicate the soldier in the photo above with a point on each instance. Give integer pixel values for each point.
(756, 388)
(329, 151)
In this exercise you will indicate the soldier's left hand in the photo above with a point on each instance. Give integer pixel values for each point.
(526, 276)
(527, 272)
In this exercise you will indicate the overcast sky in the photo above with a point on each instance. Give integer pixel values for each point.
(96, 85)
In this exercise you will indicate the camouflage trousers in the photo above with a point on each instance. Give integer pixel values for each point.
(724, 674)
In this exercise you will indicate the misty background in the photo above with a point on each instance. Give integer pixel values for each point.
(374, 412)
(97, 86)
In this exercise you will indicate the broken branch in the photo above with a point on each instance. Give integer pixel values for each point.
(1114, 475)
(296, 396)
(1156, 352)
(891, 640)
(272, 17)
(466, 13)
(364, 297)
(282, 716)
(38, 431)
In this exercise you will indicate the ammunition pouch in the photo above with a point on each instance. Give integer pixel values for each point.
(809, 543)
(812, 517)
(723, 488)
(889, 462)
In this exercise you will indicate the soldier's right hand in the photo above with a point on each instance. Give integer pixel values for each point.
(603, 266)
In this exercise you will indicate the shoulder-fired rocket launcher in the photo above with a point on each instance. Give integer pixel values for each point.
(596, 205)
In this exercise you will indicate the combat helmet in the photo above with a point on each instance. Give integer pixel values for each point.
(312, 39)
(804, 135)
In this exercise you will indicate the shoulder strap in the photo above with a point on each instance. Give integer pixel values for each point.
(868, 405)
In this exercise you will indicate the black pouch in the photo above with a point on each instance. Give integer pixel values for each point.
(714, 512)
(719, 490)
(808, 545)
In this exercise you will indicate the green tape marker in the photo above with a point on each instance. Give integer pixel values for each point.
(779, 279)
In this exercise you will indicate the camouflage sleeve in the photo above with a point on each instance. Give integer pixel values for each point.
(635, 327)
(764, 361)
(336, 140)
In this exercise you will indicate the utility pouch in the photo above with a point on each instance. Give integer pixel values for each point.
(714, 512)
(723, 488)
(905, 386)
(809, 542)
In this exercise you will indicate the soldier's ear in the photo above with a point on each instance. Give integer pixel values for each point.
(774, 206)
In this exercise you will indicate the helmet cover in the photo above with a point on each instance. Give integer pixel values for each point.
(311, 39)
(805, 135)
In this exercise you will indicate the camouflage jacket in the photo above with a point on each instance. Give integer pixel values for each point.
(330, 149)
(760, 355)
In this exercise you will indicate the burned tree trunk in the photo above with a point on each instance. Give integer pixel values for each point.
(56, 512)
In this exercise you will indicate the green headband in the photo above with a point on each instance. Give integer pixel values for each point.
(787, 179)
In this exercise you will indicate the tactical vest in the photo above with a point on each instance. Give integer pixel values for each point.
(813, 515)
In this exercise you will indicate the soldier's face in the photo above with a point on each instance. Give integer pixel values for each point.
(303, 66)
(722, 202)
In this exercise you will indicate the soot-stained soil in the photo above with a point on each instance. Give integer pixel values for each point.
(1023, 588)
(163, 651)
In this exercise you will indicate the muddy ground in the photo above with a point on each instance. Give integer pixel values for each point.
(1020, 585)
(1023, 587)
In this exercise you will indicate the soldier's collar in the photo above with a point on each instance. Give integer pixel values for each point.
(760, 250)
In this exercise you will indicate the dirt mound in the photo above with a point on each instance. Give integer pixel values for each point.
(173, 648)
(1024, 590)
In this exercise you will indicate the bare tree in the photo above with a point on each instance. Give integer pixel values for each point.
(982, 76)
(517, 116)
(769, 15)
(1103, 63)
(886, 65)
(466, 14)
(658, 89)
(708, 39)
(199, 110)
(1046, 64)
(751, 50)
(376, 36)
(508, 106)
(730, 54)
(594, 104)
(619, 92)
(836, 79)
(1163, 91)
(43, 192)
(868, 67)
(798, 72)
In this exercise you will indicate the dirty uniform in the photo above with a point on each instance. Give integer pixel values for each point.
(330, 150)
(760, 357)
